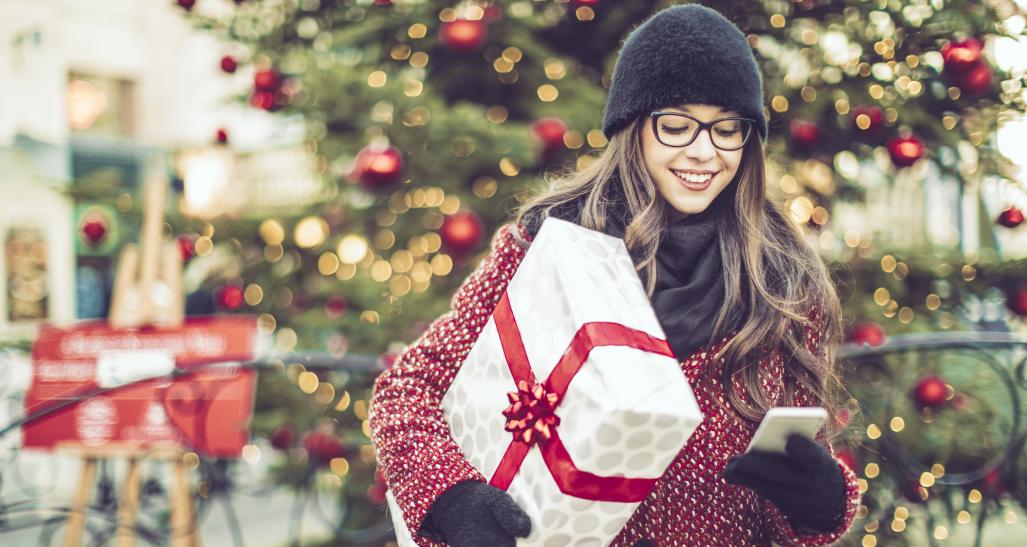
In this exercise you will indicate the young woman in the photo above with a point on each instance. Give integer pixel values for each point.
(746, 305)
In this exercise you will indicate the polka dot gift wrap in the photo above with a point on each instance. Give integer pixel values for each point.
(602, 408)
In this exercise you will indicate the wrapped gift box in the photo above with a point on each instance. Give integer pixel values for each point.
(571, 399)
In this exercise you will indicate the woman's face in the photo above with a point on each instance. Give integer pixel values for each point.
(682, 174)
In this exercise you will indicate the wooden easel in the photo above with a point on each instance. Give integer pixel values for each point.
(147, 291)
(184, 526)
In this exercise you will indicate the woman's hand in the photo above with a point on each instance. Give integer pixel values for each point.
(475, 514)
(805, 482)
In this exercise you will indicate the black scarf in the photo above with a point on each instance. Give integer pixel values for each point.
(689, 275)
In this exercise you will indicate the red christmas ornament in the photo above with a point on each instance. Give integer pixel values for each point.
(388, 359)
(492, 13)
(221, 135)
(805, 135)
(904, 151)
(463, 35)
(282, 437)
(848, 457)
(229, 297)
(976, 81)
(462, 232)
(1018, 302)
(186, 4)
(382, 2)
(930, 391)
(228, 64)
(94, 231)
(588, 3)
(376, 492)
(1011, 217)
(960, 56)
(992, 483)
(322, 447)
(867, 333)
(378, 167)
(187, 246)
(550, 132)
(873, 113)
(267, 80)
(843, 417)
(335, 306)
(263, 99)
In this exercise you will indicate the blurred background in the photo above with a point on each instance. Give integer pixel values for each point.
(335, 168)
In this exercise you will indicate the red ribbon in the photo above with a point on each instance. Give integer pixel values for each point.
(571, 480)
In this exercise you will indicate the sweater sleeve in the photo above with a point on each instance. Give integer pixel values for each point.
(415, 448)
(779, 528)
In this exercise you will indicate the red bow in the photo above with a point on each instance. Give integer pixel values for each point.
(531, 413)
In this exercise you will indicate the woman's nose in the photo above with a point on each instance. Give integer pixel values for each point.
(701, 149)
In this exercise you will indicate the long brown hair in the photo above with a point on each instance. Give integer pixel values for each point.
(769, 269)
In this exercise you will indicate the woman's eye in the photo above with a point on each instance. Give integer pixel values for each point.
(727, 133)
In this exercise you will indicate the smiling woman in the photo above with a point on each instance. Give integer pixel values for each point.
(746, 305)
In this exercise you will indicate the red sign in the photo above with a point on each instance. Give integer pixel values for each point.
(206, 407)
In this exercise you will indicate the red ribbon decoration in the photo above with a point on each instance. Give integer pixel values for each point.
(571, 480)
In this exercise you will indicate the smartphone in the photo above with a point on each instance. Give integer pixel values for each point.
(779, 422)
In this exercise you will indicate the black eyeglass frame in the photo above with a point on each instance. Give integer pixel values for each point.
(703, 126)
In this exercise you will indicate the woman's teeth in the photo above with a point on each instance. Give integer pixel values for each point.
(693, 178)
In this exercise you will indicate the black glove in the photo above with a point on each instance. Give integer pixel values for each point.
(805, 482)
(475, 514)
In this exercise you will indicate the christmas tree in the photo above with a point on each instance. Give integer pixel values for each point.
(430, 123)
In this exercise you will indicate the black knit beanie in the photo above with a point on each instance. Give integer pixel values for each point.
(684, 54)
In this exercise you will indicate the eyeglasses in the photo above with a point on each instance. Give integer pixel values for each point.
(678, 130)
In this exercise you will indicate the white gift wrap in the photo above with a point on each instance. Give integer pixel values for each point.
(627, 412)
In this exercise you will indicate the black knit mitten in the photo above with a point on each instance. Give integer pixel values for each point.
(475, 514)
(805, 482)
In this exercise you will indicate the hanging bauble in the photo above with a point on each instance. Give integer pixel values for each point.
(463, 35)
(1018, 302)
(905, 150)
(376, 492)
(992, 483)
(94, 230)
(549, 131)
(321, 447)
(976, 81)
(1011, 217)
(848, 457)
(462, 232)
(186, 4)
(378, 167)
(960, 56)
(282, 437)
(930, 391)
(186, 246)
(335, 306)
(867, 333)
(492, 13)
(228, 64)
(874, 118)
(229, 297)
(805, 134)
(263, 99)
(267, 79)
(221, 135)
(382, 2)
(388, 359)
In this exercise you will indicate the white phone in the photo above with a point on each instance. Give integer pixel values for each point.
(779, 422)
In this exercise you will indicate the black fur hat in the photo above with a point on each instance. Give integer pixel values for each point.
(684, 54)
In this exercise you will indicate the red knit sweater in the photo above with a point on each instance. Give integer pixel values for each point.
(691, 504)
